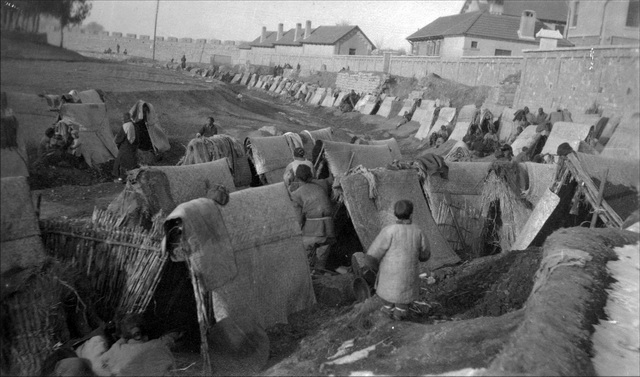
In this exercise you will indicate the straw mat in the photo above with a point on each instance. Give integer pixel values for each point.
(369, 156)
(565, 132)
(270, 153)
(528, 138)
(392, 143)
(465, 178)
(369, 216)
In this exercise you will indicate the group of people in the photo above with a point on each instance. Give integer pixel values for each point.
(396, 250)
(61, 143)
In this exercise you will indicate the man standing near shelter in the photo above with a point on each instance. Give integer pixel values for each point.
(127, 143)
(290, 170)
(183, 62)
(315, 211)
(209, 129)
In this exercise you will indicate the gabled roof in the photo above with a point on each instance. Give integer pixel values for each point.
(480, 24)
(546, 10)
(327, 35)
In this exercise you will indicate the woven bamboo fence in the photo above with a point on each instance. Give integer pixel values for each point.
(123, 264)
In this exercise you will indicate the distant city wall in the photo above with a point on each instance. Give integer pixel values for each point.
(578, 78)
(195, 50)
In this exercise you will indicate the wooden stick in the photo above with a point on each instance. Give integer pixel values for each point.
(353, 154)
(596, 207)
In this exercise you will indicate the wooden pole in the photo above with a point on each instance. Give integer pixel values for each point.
(155, 27)
(596, 207)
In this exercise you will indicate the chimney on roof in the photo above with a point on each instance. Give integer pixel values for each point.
(263, 36)
(527, 25)
(307, 30)
(279, 35)
(496, 7)
(298, 33)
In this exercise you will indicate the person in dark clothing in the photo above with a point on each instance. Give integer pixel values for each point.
(183, 62)
(127, 143)
(209, 129)
(142, 134)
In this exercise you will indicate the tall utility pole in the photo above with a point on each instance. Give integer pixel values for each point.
(155, 27)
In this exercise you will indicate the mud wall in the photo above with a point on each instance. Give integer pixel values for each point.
(579, 78)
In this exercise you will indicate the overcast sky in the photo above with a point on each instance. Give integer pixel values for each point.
(386, 22)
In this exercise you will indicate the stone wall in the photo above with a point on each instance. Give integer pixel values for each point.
(471, 71)
(502, 95)
(579, 78)
(361, 82)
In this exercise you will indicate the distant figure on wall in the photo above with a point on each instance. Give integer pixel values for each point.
(184, 62)
(117, 49)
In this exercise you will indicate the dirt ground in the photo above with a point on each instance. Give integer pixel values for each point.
(470, 308)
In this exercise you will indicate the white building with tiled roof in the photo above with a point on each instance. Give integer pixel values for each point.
(322, 40)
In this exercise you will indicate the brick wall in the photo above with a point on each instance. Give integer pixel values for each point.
(361, 82)
(576, 78)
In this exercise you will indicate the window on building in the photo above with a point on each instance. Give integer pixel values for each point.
(633, 13)
(437, 52)
(574, 13)
(474, 44)
(500, 52)
(352, 51)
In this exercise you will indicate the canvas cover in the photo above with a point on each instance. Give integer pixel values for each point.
(271, 155)
(90, 96)
(339, 155)
(361, 102)
(328, 99)
(445, 117)
(386, 106)
(367, 108)
(236, 78)
(392, 143)
(507, 126)
(19, 230)
(91, 121)
(250, 254)
(369, 216)
(424, 116)
(338, 100)
(565, 132)
(460, 130)
(317, 96)
(528, 138)
(467, 113)
(158, 137)
(624, 144)
(407, 105)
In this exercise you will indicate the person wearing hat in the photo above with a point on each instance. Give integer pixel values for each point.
(398, 248)
(312, 200)
(507, 153)
(298, 159)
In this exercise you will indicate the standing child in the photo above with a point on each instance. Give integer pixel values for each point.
(398, 248)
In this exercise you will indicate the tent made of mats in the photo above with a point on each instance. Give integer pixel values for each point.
(445, 117)
(328, 99)
(338, 100)
(527, 138)
(386, 106)
(507, 126)
(236, 78)
(368, 107)
(424, 115)
(162, 188)
(467, 113)
(20, 234)
(95, 133)
(392, 143)
(343, 156)
(247, 255)
(361, 102)
(565, 132)
(370, 214)
(157, 135)
(271, 155)
(206, 149)
(32, 113)
(407, 105)
(625, 142)
(318, 96)
(460, 130)
(13, 150)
